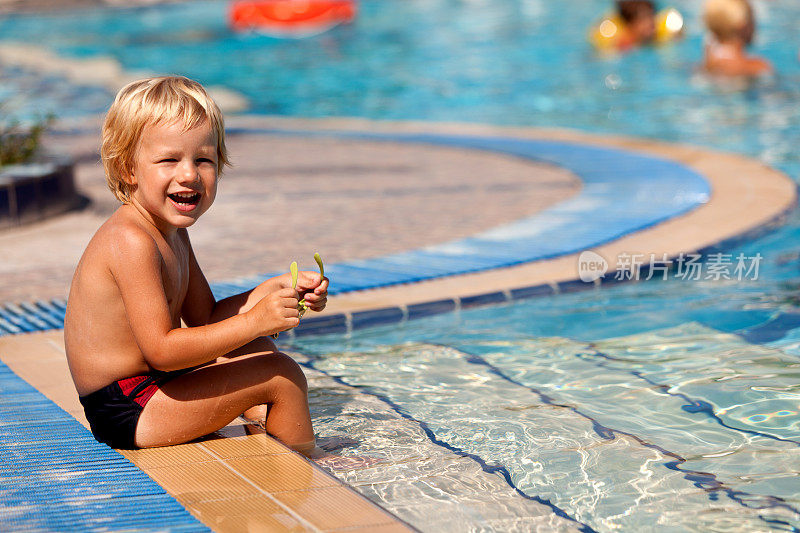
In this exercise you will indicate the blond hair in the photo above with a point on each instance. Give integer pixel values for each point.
(727, 18)
(160, 100)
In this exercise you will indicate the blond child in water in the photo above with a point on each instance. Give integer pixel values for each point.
(731, 24)
(143, 379)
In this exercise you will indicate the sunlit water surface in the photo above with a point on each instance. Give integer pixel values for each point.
(666, 405)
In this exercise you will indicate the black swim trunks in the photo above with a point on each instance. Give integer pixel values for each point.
(113, 411)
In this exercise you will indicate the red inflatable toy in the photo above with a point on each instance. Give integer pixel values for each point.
(290, 17)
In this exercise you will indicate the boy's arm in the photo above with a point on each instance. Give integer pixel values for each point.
(243, 302)
(201, 308)
(199, 302)
(310, 285)
(136, 265)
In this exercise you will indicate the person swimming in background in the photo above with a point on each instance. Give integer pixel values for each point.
(639, 17)
(731, 24)
(635, 23)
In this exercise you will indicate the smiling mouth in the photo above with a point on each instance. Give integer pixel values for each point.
(185, 199)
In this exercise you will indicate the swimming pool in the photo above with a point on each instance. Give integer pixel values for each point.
(669, 405)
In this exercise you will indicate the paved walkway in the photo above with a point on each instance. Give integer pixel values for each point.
(288, 196)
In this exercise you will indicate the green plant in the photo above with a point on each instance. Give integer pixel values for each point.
(19, 143)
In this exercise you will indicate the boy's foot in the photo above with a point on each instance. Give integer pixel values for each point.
(320, 455)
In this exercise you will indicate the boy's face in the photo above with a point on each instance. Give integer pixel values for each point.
(175, 173)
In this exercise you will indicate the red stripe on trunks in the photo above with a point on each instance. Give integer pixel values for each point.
(128, 384)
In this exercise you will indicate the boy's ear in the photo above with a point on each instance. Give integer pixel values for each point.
(130, 181)
(129, 177)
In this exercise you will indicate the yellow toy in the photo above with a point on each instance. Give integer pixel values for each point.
(301, 305)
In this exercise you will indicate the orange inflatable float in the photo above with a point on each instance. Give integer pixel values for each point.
(290, 17)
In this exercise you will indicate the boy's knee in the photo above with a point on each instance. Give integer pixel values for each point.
(258, 345)
(289, 370)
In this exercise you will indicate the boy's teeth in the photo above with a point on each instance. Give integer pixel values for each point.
(184, 197)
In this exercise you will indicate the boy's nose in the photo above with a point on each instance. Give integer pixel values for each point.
(189, 172)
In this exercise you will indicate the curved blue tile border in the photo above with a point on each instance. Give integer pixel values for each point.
(623, 192)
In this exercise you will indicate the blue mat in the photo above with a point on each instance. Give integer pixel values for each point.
(55, 477)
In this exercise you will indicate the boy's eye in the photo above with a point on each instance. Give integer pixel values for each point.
(205, 160)
(168, 160)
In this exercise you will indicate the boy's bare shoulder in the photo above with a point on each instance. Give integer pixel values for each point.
(122, 237)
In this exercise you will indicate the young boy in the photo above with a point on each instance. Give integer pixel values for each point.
(732, 25)
(143, 379)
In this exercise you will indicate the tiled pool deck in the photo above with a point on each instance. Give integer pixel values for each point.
(637, 197)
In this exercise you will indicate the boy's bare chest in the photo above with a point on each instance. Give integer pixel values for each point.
(175, 275)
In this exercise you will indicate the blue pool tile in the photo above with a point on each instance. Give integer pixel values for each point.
(430, 308)
(483, 299)
(357, 278)
(524, 293)
(322, 325)
(614, 278)
(355, 275)
(50, 308)
(575, 286)
(19, 322)
(387, 315)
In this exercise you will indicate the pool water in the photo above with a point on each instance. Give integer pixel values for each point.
(664, 405)
(678, 429)
(642, 407)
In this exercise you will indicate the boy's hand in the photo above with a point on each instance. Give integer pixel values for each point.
(314, 288)
(277, 312)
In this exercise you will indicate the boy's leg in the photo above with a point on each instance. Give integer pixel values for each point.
(256, 413)
(206, 399)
